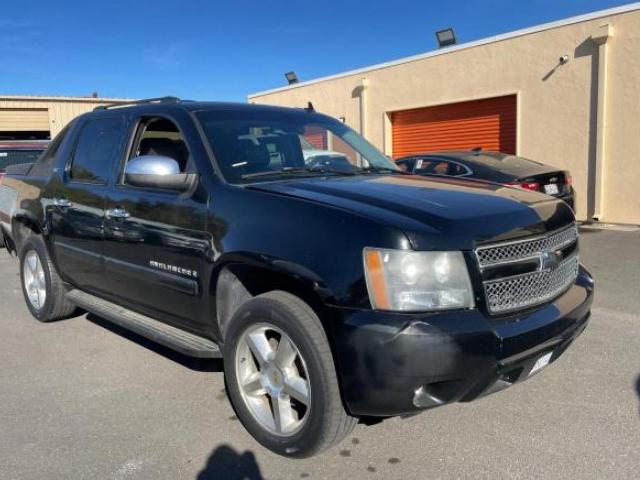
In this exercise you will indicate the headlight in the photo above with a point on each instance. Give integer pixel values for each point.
(417, 281)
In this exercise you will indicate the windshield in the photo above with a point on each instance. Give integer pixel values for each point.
(255, 145)
(306, 144)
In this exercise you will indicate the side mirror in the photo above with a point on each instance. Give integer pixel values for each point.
(156, 171)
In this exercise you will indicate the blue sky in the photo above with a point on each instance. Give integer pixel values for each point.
(224, 50)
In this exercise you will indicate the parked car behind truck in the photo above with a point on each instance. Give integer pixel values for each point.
(503, 168)
(333, 294)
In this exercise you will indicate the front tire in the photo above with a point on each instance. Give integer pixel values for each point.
(281, 377)
(43, 290)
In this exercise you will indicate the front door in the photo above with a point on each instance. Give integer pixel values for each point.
(77, 215)
(155, 240)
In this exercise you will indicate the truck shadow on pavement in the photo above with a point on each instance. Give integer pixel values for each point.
(197, 364)
(225, 463)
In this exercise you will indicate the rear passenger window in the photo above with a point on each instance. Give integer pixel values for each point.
(44, 165)
(457, 169)
(432, 167)
(97, 146)
(405, 165)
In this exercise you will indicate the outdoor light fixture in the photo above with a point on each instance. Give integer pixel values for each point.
(291, 77)
(446, 38)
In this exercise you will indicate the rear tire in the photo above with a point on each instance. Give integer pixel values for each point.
(313, 417)
(43, 290)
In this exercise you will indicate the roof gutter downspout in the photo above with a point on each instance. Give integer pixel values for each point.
(600, 37)
(363, 106)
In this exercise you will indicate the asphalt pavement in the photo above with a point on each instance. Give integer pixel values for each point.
(81, 399)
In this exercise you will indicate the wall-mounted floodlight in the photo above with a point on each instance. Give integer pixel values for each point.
(446, 38)
(291, 77)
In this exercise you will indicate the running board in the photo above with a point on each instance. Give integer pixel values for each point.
(155, 330)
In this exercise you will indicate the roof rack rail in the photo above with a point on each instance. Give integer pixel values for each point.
(143, 101)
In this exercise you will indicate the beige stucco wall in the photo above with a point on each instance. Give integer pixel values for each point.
(61, 109)
(556, 108)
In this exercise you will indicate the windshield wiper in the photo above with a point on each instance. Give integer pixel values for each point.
(296, 170)
(376, 169)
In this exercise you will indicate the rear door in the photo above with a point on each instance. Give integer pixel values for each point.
(77, 216)
(156, 243)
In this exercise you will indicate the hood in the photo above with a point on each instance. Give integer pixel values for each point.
(434, 213)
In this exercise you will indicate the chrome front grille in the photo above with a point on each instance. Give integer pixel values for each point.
(551, 264)
(523, 249)
(529, 289)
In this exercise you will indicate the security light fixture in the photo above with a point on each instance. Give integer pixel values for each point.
(446, 37)
(291, 77)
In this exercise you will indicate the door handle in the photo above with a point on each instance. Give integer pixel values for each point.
(62, 203)
(117, 213)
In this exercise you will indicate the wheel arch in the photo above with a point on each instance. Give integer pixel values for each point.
(237, 282)
(22, 226)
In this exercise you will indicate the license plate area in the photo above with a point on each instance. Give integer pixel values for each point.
(542, 362)
(551, 189)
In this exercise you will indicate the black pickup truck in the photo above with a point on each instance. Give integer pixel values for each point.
(335, 286)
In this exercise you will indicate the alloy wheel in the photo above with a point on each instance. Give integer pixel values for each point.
(273, 379)
(35, 282)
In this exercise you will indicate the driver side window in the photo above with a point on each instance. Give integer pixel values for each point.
(161, 136)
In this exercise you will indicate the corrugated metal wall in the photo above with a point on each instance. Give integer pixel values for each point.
(24, 119)
(27, 112)
(489, 123)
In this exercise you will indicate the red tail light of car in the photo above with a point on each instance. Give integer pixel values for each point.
(535, 186)
(568, 179)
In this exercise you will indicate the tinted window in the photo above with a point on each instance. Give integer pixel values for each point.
(44, 166)
(432, 167)
(96, 148)
(405, 165)
(457, 169)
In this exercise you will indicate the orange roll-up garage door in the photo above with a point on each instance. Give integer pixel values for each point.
(489, 123)
(317, 137)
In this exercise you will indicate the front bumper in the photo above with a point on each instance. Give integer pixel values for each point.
(399, 364)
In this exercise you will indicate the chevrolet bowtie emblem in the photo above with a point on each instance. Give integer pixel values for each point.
(550, 260)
